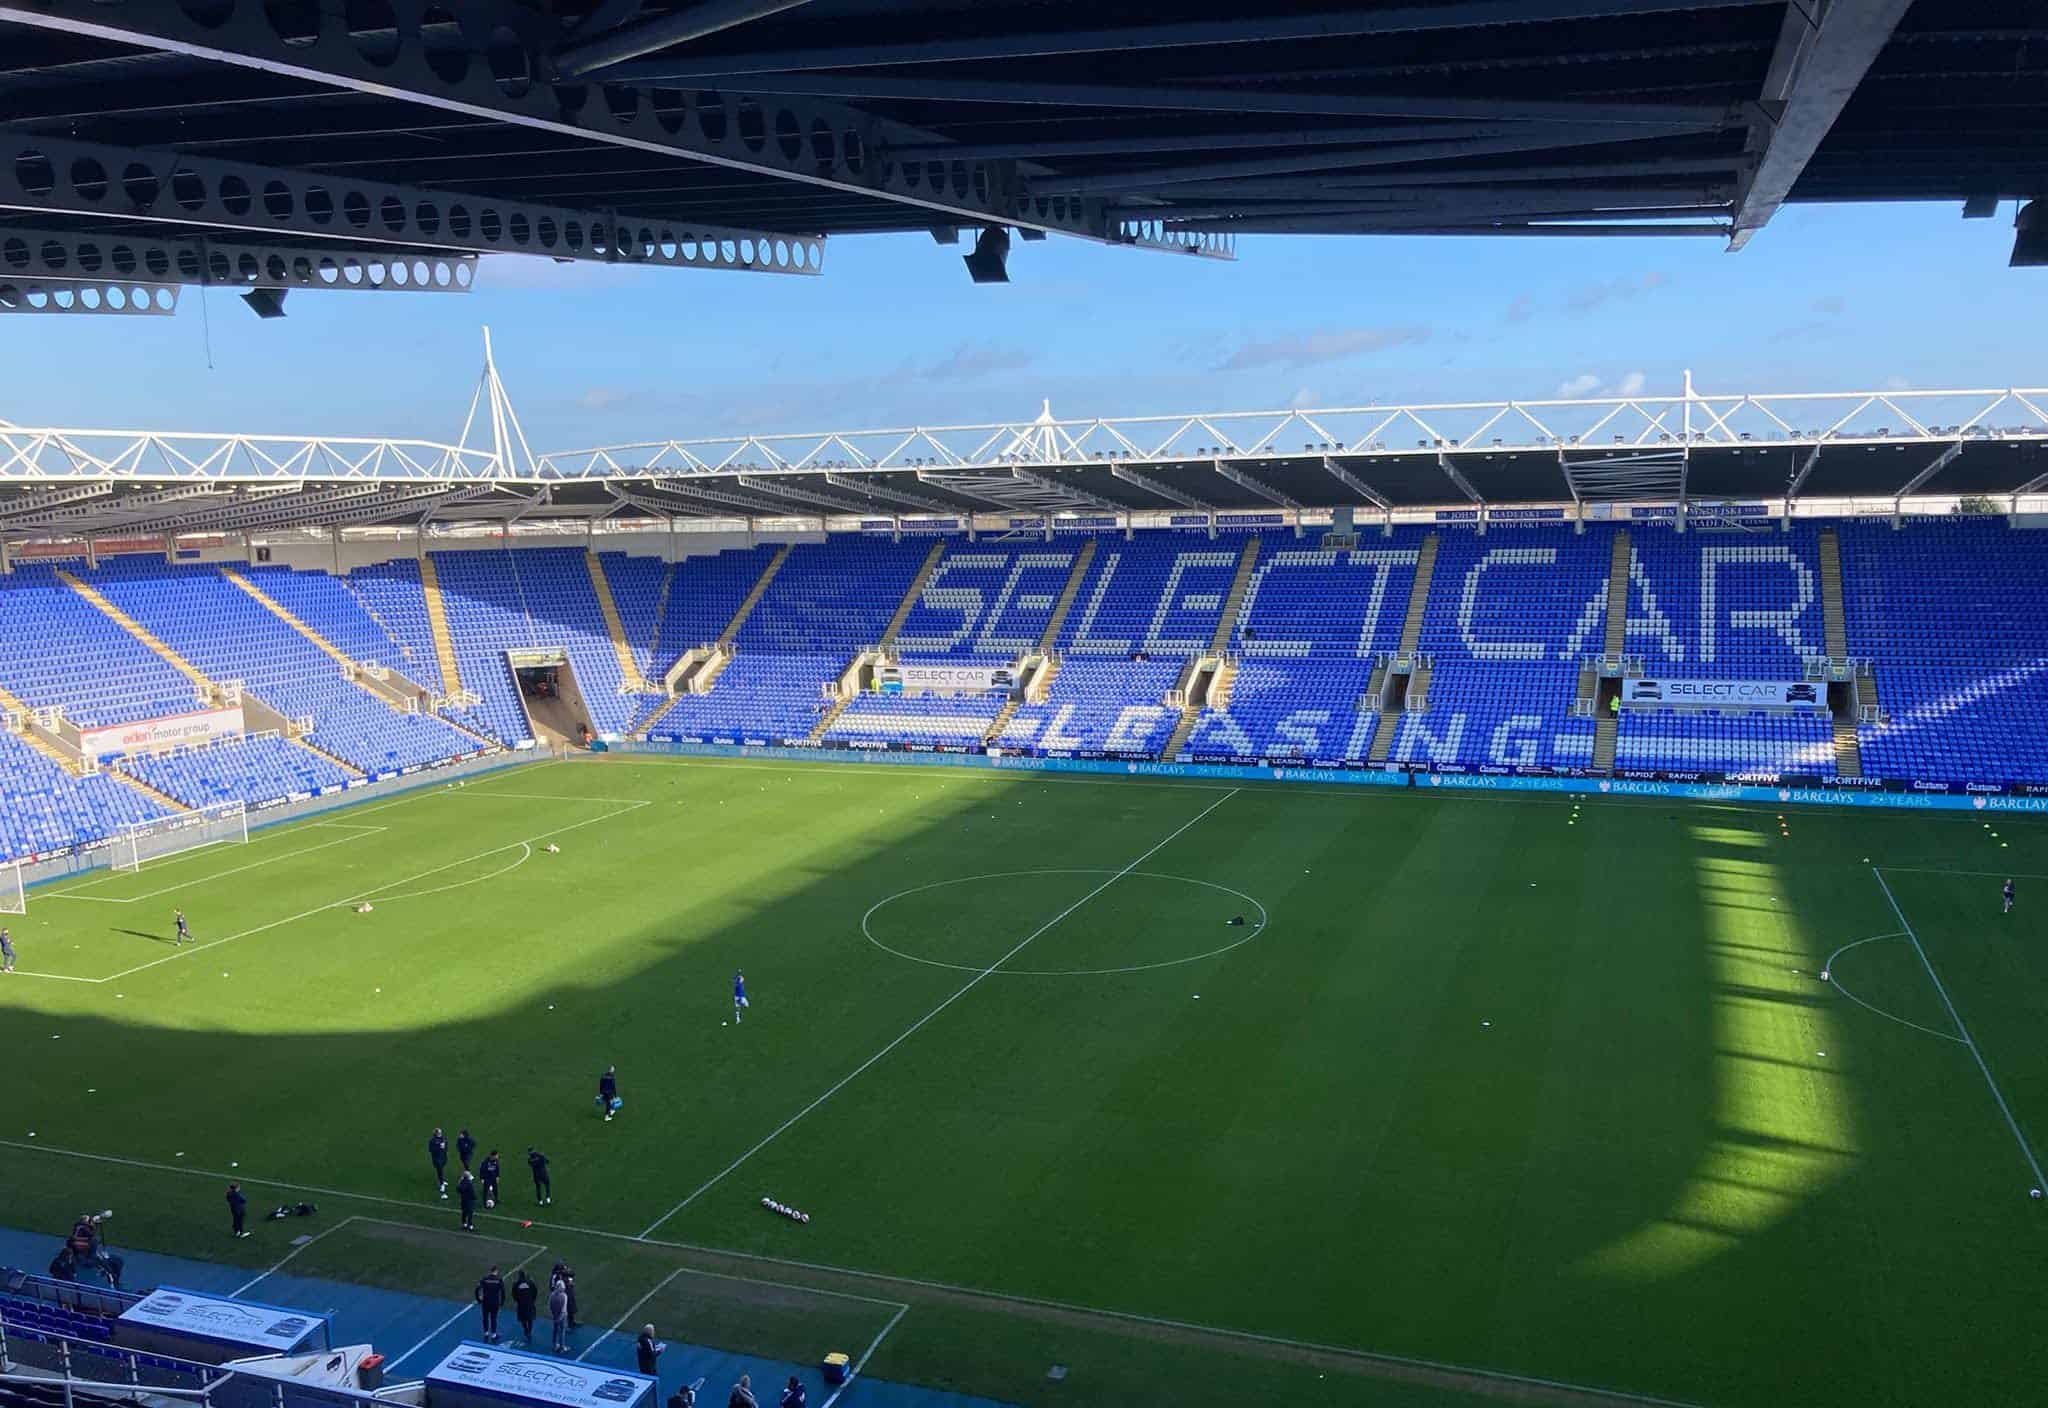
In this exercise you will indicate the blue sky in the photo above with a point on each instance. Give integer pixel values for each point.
(893, 333)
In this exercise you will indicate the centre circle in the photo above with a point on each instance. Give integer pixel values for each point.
(990, 917)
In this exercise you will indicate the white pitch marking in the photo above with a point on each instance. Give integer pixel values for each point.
(631, 1311)
(357, 833)
(251, 1283)
(460, 1311)
(912, 1030)
(1963, 1030)
(351, 899)
(1070, 1307)
(525, 855)
(1828, 969)
(1258, 930)
(1975, 874)
(866, 1354)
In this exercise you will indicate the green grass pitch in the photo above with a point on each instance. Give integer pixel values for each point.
(1506, 1084)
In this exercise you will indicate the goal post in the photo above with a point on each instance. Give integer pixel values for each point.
(223, 823)
(13, 894)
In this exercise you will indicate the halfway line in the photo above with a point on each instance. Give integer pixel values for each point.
(915, 1027)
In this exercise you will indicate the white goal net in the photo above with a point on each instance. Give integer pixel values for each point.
(13, 894)
(224, 823)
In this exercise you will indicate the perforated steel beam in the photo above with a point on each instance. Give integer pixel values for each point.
(773, 485)
(1525, 138)
(886, 488)
(26, 504)
(490, 63)
(27, 251)
(1806, 467)
(1051, 148)
(1244, 480)
(1071, 491)
(1159, 488)
(137, 183)
(1940, 462)
(1463, 485)
(1650, 116)
(1356, 485)
(1278, 26)
(676, 27)
(723, 496)
(1824, 49)
(86, 297)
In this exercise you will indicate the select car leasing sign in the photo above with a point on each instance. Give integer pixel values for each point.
(535, 1378)
(1661, 693)
(170, 731)
(953, 677)
(230, 1322)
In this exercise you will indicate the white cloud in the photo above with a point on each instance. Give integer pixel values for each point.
(1308, 349)
(1303, 399)
(1897, 383)
(1591, 384)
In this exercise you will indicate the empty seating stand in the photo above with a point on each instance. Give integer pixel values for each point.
(1718, 605)
(1946, 611)
(831, 600)
(1950, 612)
(227, 635)
(254, 771)
(1510, 615)
(1306, 637)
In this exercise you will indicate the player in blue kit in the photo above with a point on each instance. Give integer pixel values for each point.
(739, 995)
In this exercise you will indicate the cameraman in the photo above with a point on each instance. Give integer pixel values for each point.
(87, 1249)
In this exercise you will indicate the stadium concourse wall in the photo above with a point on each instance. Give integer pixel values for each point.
(1405, 779)
(78, 860)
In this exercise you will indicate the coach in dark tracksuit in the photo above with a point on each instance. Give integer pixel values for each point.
(437, 1150)
(543, 1186)
(465, 1149)
(465, 1189)
(490, 1298)
(525, 1298)
(238, 1207)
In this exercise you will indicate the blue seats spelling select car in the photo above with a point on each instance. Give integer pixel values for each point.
(1942, 616)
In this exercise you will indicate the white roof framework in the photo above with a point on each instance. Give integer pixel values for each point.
(1694, 446)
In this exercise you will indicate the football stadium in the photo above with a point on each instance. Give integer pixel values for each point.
(1425, 904)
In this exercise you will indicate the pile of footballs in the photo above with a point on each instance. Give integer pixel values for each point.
(791, 1213)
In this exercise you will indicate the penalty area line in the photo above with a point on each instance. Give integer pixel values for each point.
(279, 1264)
(915, 1027)
(853, 1375)
(1963, 1031)
(356, 834)
(370, 894)
(534, 1254)
(634, 1309)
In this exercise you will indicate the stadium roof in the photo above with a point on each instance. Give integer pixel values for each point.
(383, 143)
(1691, 448)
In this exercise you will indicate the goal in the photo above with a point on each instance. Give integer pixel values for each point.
(13, 894)
(223, 823)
